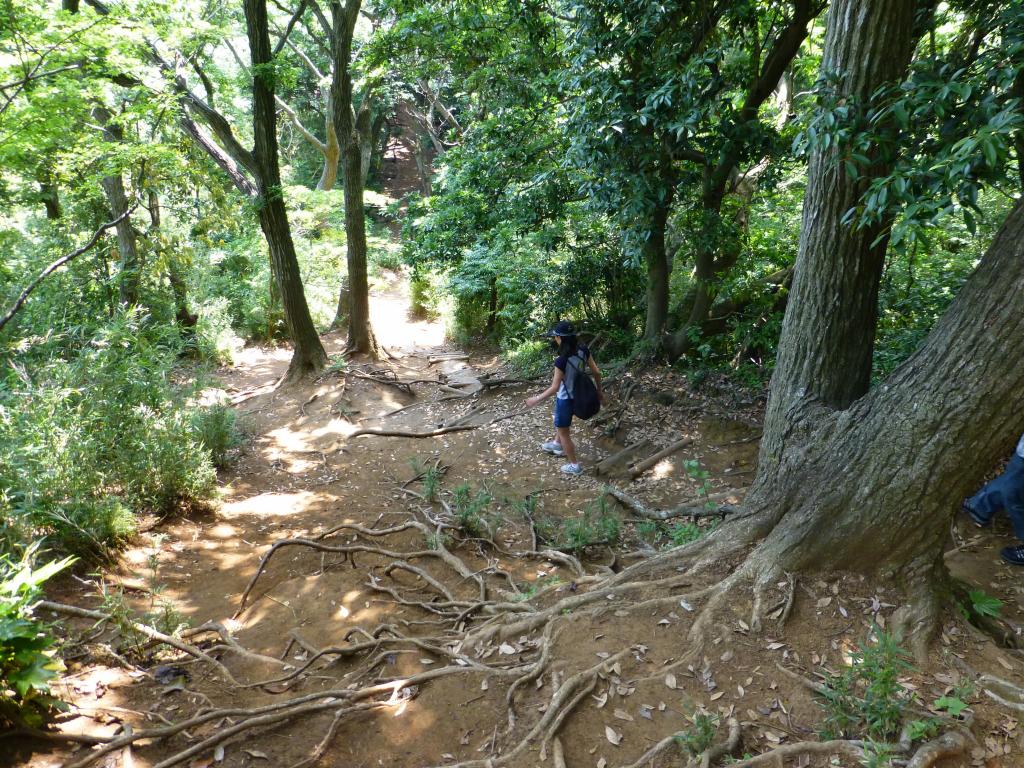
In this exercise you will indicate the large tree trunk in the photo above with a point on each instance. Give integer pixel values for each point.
(309, 355)
(360, 334)
(867, 481)
(825, 352)
(872, 487)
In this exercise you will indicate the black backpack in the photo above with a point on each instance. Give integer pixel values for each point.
(582, 390)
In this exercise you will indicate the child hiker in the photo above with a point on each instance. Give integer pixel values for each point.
(572, 357)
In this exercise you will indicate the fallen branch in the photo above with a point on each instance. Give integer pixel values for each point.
(402, 433)
(445, 357)
(638, 469)
(605, 466)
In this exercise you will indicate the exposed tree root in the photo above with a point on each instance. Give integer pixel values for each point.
(469, 624)
(349, 549)
(850, 748)
(688, 509)
(1003, 692)
(359, 699)
(568, 695)
(143, 629)
(951, 744)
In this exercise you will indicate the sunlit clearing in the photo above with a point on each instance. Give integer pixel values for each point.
(393, 327)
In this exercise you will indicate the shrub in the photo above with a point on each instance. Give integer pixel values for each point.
(866, 695)
(93, 438)
(216, 429)
(531, 359)
(27, 663)
(471, 510)
(215, 337)
(596, 525)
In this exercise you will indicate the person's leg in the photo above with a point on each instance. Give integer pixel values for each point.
(984, 505)
(1012, 494)
(567, 445)
(563, 418)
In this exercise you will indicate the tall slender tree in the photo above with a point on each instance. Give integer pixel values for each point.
(356, 290)
(309, 353)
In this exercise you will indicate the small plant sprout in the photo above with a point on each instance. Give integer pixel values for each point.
(866, 696)
(596, 525)
(701, 477)
(701, 735)
(471, 510)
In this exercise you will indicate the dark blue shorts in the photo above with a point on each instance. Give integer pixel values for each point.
(563, 412)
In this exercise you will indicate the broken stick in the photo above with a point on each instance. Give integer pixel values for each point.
(639, 468)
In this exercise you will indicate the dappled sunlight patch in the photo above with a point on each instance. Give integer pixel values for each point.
(664, 468)
(272, 504)
(222, 531)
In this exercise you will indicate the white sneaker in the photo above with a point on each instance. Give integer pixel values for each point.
(553, 447)
(571, 469)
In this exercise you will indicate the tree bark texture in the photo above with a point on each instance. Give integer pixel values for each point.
(129, 264)
(827, 342)
(656, 258)
(309, 355)
(49, 195)
(360, 334)
(872, 487)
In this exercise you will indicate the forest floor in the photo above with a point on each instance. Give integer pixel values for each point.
(302, 473)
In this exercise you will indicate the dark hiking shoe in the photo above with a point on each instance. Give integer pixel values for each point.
(975, 516)
(1014, 555)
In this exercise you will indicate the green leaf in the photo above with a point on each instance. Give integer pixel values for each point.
(951, 704)
(982, 603)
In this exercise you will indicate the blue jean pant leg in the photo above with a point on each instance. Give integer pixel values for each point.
(1004, 492)
(563, 412)
(1013, 495)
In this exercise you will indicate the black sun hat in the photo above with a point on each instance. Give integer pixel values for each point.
(562, 328)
